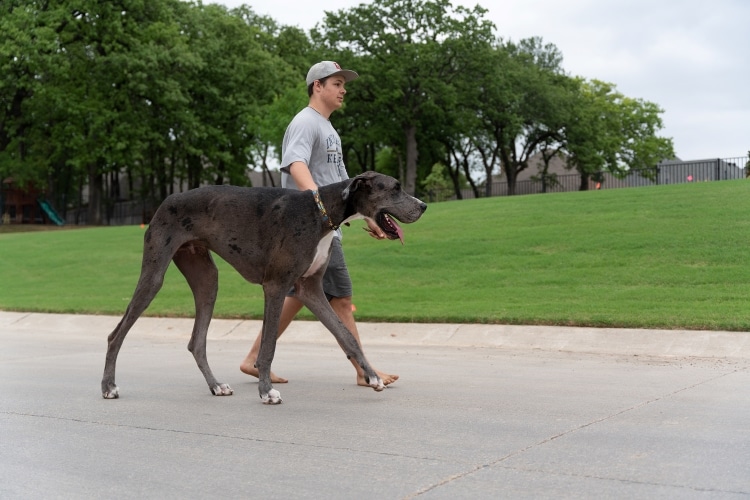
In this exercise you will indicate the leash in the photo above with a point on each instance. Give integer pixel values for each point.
(323, 211)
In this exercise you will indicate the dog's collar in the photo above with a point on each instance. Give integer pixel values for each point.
(323, 211)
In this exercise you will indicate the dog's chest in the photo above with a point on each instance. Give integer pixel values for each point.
(321, 255)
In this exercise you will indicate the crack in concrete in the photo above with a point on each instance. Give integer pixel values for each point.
(216, 435)
(496, 463)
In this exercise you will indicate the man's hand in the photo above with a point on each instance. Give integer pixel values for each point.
(374, 230)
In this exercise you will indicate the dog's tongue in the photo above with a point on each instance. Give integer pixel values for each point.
(396, 227)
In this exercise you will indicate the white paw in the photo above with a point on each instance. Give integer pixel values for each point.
(113, 393)
(272, 398)
(222, 390)
(377, 384)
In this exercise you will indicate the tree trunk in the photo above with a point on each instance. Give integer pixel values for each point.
(96, 186)
(454, 174)
(488, 182)
(194, 171)
(410, 182)
(584, 181)
(512, 176)
(469, 179)
(267, 177)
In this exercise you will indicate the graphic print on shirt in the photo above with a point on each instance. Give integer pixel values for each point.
(334, 156)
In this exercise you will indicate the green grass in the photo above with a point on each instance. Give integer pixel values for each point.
(652, 257)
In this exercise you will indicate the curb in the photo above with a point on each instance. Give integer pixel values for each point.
(635, 342)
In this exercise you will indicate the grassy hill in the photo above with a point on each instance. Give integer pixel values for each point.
(653, 257)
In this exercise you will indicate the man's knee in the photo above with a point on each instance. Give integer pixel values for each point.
(342, 305)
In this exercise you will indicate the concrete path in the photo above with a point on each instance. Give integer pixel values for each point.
(480, 412)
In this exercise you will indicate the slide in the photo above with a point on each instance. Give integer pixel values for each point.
(53, 216)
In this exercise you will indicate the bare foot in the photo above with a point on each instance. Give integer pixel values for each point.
(248, 368)
(386, 378)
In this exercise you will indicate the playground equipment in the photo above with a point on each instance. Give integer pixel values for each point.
(50, 212)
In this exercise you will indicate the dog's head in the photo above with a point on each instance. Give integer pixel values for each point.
(380, 198)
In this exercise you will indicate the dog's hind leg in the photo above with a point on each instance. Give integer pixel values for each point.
(198, 267)
(274, 295)
(149, 284)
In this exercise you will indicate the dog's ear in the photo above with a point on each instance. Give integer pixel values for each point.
(350, 188)
(354, 185)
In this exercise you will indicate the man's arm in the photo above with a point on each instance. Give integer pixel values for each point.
(302, 176)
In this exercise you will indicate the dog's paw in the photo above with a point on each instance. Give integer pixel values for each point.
(376, 383)
(272, 398)
(112, 393)
(222, 390)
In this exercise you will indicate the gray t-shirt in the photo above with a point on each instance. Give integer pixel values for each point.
(311, 139)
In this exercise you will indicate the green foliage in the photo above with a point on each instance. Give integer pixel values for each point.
(168, 94)
(164, 91)
(437, 185)
(613, 132)
(653, 257)
(410, 53)
(388, 162)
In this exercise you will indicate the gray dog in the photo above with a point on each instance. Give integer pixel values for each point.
(279, 238)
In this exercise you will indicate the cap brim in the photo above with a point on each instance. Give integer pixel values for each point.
(348, 74)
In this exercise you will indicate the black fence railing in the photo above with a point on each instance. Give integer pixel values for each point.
(121, 213)
(670, 172)
(667, 172)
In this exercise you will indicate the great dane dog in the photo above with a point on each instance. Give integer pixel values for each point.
(279, 238)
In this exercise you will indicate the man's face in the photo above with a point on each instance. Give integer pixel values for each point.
(332, 93)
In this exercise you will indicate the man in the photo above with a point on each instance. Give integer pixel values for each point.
(311, 156)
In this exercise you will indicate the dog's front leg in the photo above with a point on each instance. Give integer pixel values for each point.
(311, 294)
(274, 301)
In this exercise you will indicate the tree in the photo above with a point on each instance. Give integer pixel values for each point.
(28, 47)
(236, 78)
(92, 65)
(274, 119)
(162, 90)
(409, 60)
(437, 186)
(547, 178)
(292, 46)
(110, 56)
(530, 104)
(612, 132)
(177, 94)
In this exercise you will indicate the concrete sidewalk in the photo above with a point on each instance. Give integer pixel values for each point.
(568, 339)
(479, 412)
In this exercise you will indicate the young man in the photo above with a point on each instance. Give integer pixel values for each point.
(311, 156)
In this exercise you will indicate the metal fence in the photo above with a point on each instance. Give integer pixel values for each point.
(120, 213)
(667, 172)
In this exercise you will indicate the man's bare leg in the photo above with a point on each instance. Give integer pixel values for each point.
(290, 309)
(343, 308)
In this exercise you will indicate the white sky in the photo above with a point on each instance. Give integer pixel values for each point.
(691, 57)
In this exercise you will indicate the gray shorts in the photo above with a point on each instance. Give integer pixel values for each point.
(336, 280)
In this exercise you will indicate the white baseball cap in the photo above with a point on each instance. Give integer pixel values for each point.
(324, 69)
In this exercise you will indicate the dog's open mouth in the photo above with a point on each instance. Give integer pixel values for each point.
(390, 227)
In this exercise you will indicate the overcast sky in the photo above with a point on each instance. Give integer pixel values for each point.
(691, 57)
